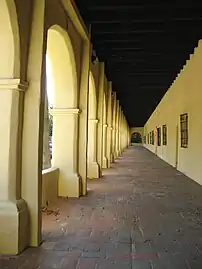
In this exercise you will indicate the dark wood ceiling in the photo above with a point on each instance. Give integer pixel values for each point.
(144, 44)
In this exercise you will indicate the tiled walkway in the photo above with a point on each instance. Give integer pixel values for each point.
(142, 214)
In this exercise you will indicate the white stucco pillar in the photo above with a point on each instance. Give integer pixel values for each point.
(122, 146)
(93, 167)
(65, 150)
(83, 118)
(117, 130)
(113, 126)
(109, 124)
(119, 145)
(104, 145)
(123, 131)
(32, 143)
(14, 216)
(126, 134)
(100, 115)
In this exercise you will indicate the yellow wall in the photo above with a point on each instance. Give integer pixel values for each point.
(184, 96)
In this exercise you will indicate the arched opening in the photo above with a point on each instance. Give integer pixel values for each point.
(93, 168)
(9, 69)
(136, 138)
(63, 68)
(9, 41)
(61, 84)
(11, 203)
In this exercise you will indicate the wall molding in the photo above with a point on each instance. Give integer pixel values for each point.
(64, 111)
(13, 84)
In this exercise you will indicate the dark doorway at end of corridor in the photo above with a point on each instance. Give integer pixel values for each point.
(136, 138)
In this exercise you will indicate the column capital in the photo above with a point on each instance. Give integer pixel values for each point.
(13, 84)
(94, 120)
(105, 125)
(64, 111)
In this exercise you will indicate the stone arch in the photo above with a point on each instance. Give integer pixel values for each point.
(93, 167)
(9, 40)
(64, 109)
(137, 130)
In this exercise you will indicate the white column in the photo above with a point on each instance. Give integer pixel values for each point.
(117, 130)
(122, 133)
(65, 150)
(100, 115)
(104, 157)
(119, 142)
(83, 119)
(109, 124)
(32, 148)
(14, 216)
(93, 167)
(113, 126)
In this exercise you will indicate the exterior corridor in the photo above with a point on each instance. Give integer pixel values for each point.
(142, 214)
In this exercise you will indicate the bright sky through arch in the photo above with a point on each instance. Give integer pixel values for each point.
(49, 81)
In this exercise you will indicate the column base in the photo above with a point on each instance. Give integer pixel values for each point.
(69, 185)
(14, 227)
(46, 166)
(117, 154)
(93, 170)
(109, 163)
(105, 162)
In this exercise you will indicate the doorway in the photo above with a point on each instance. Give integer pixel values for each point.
(136, 138)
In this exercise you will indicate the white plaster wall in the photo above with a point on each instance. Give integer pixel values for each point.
(184, 96)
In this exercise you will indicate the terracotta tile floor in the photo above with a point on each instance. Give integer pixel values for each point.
(143, 214)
